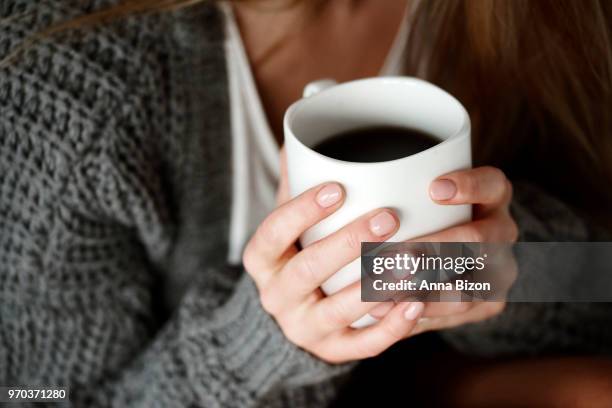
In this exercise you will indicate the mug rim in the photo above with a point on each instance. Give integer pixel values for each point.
(464, 128)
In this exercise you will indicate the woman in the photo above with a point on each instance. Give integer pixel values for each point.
(120, 153)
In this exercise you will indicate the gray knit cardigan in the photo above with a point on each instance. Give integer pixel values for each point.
(115, 190)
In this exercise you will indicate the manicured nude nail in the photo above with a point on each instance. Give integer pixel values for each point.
(413, 310)
(329, 195)
(382, 309)
(383, 223)
(442, 190)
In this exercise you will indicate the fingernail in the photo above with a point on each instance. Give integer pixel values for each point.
(413, 310)
(382, 223)
(329, 195)
(381, 310)
(442, 189)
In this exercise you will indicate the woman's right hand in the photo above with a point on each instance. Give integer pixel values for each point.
(288, 279)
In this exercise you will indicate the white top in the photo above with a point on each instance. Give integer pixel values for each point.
(255, 153)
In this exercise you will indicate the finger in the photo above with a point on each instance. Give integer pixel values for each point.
(282, 194)
(486, 186)
(480, 311)
(312, 266)
(498, 228)
(440, 309)
(279, 231)
(341, 309)
(506, 272)
(351, 344)
(345, 307)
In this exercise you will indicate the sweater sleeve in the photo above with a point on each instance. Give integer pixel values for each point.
(535, 328)
(234, 355)
(78, 304)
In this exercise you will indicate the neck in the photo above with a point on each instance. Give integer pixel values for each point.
(290, 43)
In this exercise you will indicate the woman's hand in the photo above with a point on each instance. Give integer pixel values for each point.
(490, 192)
(488, 189)
(288, 280)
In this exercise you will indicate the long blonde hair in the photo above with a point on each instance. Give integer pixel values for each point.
(536, 77)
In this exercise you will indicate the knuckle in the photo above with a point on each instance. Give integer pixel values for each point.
(495, 308)
(338, 315)
(295, 334)
(248, 258)
(392, 333)
(514, 230)
(352, 240)
(501, 306)
(267, 232)
(472, 233)
(496, 173)
(310, 211)
(306, 268)
(369, 349)
(502, 188)
(269, 301)
(462, 307)
(304, 208)
(471, 186)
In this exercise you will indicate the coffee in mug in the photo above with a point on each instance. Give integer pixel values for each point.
(375, 144)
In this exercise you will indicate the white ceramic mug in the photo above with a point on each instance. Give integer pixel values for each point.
(328, 109)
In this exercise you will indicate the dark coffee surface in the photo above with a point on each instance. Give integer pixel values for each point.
(375, 144)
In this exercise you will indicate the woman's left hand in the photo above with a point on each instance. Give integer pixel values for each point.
(488, 189)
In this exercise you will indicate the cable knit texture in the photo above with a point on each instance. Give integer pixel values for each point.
(114, 198)
(114, 202)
